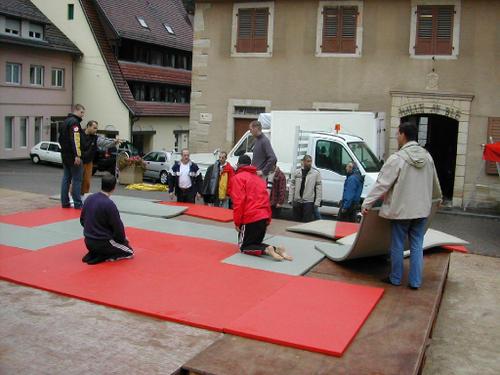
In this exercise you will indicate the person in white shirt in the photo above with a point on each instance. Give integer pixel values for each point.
(185, 179)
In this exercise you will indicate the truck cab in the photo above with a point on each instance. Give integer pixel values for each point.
(331, 153)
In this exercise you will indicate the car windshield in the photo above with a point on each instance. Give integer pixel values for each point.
(245, 146)
(365, 156)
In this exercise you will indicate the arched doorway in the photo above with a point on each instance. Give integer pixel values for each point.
(439, 134)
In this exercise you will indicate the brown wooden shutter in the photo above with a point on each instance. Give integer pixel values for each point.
(349, 20)
(425, 30)
(434, 30)
(444, 30)
(252, 30)
(493, 132)
(261, 16)
(331, 40)
(339, 29)
(245, 42)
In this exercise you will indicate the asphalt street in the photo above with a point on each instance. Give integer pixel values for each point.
(483, 233)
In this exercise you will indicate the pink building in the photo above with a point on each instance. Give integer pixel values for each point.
(36, 78)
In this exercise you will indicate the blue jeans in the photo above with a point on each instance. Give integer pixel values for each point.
(414, 230)
(72, 175)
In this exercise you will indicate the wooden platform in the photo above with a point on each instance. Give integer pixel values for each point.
(392, 341)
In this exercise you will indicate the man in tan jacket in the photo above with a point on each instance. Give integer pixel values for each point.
(305, 191)
(408, 183)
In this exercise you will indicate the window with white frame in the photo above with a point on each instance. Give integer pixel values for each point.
(435, 27)
(13, 26)
(252, 30)
(35, 31)
(36, 75)
(13, 73)
(339, 28)
(8, 132)
(57, 77)
(23, 132)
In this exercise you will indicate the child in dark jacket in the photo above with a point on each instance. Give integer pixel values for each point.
(353, 186)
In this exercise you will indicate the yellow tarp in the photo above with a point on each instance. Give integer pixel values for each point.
(147, 187)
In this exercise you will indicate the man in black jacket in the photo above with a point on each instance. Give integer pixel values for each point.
(70, 133)
(185, 179)
(90, 142)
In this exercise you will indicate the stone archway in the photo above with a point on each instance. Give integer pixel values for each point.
(455, 106)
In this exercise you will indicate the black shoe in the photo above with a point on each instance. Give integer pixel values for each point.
(387, 280)
(95, 260)
(87, 257)
(66, 206)
(413, 287)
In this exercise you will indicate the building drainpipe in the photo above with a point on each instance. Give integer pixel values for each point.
(133, 120)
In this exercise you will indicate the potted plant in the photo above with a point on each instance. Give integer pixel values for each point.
(131, 169)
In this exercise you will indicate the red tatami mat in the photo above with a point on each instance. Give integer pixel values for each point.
(205, 212)
(311, 314)
(42, 216)
(344, 229)
(9, 251)
(181, 279)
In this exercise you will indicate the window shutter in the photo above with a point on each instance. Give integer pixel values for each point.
(434, 30)
(444, 32)
(260, 29)
(425, 30)
(493, 132)
(244, 43)
(349, 22)
(331, 42)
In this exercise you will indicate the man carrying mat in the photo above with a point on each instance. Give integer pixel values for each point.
(103, 228)
(408, 183)
(252, 211)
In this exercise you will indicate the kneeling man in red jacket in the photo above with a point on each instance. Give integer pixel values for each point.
(252, 211)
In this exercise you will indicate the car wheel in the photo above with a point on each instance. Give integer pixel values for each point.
(163, 177)
(35, 159)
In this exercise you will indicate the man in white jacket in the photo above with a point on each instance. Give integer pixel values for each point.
(408, 183)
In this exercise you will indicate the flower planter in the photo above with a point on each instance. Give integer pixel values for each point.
(131, 175)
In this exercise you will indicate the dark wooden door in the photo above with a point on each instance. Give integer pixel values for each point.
(240, 128)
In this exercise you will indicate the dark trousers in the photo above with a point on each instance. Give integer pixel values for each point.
(303, 212)
(103, 250)
(348, 214)
(186, 195)
(251, 237)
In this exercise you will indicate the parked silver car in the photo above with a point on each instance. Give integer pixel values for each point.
(158, 164)
(46, 151)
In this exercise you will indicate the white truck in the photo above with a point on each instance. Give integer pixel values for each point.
(331, 138)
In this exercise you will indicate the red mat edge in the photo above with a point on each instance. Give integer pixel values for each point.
(189, 205)
(307, 347)
(118, 307)
(456, 248)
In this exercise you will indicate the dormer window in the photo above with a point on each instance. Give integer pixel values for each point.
(169, 29)
(142, 22)
(35, 31)
(12, 26)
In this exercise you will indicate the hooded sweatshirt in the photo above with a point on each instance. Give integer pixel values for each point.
(408, 183)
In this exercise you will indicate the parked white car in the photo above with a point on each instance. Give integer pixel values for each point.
(158, 164)
(46, 151)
